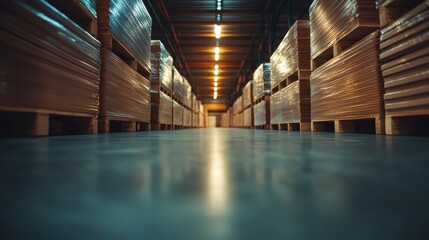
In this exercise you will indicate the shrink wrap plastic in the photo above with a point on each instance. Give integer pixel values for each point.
(292, 103)
(177, 114)
(187, 118)
(131, 24)
(262, 81)
(259, 111)
(330, 20)
(405, 63)
(238, 105)
(188, 94)
(293, 52)
(179, 89)
(276, 102)
(52, 65)
(126, 93)
(247, 115)
(162, 66)
(247, 94)
(91, 6)
(165, 109)
(349, 86)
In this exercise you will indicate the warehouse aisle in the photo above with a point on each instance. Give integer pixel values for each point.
(215, 184)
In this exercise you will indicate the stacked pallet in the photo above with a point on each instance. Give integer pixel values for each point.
(238, 113)
(124, 30)
(161, 87)
(405, 65)
(50, 71)
(177, 115)
(178, 96)
(224, 120)
(82, 12)
(187, 101)
(195, 111)
(202, 117)
(261, 95)
(290, 67)
(346, 86)
(337, 24)
(248, 104)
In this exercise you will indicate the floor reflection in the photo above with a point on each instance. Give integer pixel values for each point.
(217, 188)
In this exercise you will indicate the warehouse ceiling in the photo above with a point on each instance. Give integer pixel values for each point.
(250, 31)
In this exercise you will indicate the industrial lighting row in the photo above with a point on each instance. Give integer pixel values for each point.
(217, 31)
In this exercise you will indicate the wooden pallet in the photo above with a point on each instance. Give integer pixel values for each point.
(263, 127)
(341, 45)
(177, 127)
(407, 125)
(303, 127)
(298, 74)
(390, 11)
(110, 42)
(107, 124)
(78, 13)
(370, 125)
(161, 126)
(16, 122)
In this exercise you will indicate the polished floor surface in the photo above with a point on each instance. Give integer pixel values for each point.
(215, 184)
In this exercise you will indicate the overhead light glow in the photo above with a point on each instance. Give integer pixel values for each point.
(215, 78)
(216, 67)
(217, 30)
(216, 72)
(215, 97)
(215, 88)
(215, 84)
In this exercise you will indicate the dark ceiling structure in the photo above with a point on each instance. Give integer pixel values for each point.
(251, 31)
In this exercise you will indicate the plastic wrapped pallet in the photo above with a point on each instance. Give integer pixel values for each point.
(349, 86)
(391, 10)
(126, 92)
(260, 111)
(296, 102)
(276, 102)
(405, 63)
(292, 54)
(162, 66)
(52, 65)
(130, 24)
(188, 94)
(202, 116)
(161, 108)
(177, 114)
(187, 118)
(247, 94)
(331, 20)
(247, 117)
(179, 89)
(262, 81)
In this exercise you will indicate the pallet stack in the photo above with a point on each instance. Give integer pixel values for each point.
(161, 87)
(261, 96)
(290, 80)
(187, 112)
(202, 117)
(238, 119)
(195, 112)
(224, 120)
(346, 85)
(124, 30)
(50, 71)
(178, 98)
(248, 105)
(405, 64)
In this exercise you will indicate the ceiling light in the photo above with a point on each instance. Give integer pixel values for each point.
(215, 84)
(216, 72)
(215, 78)
(215, 88)
(216, 67)
(217, 30)
(215, 97)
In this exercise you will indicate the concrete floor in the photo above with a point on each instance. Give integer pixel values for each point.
(215, 184)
